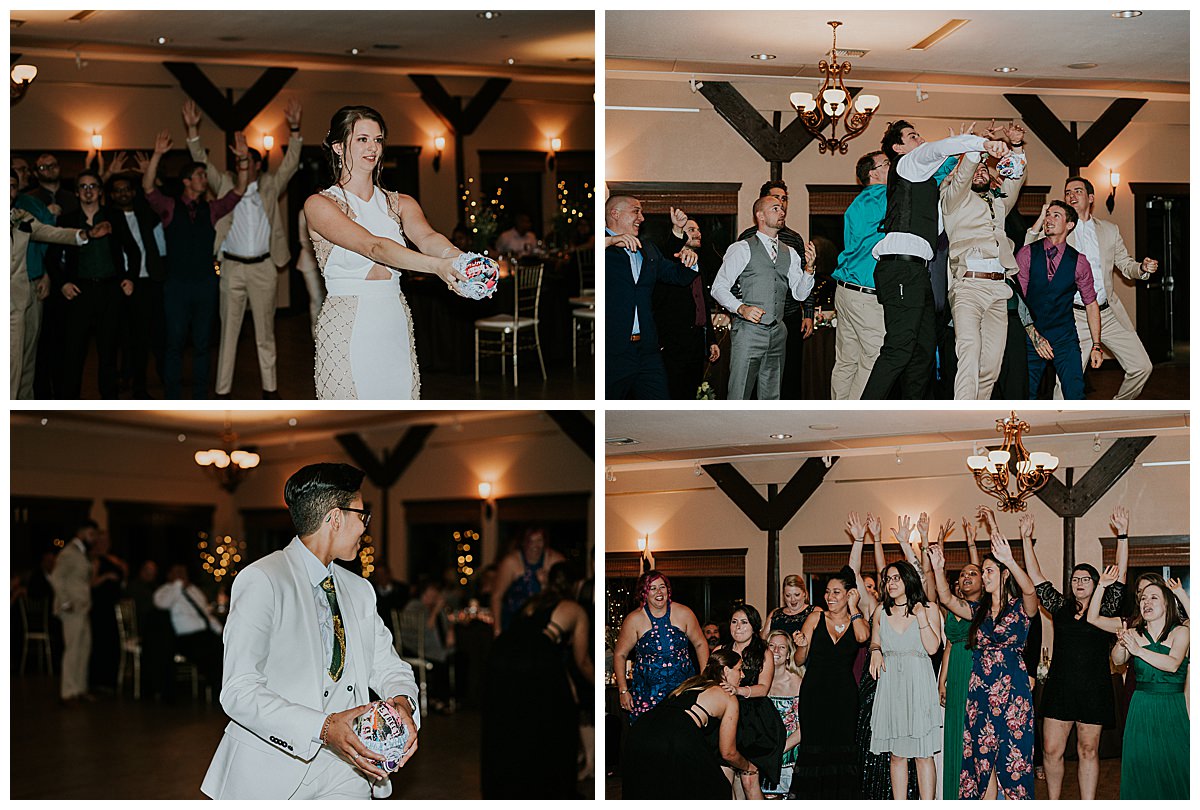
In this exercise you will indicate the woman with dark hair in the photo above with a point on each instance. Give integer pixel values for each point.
(361, 235)
(825, 766)
(904, 721)
(956, 665)
(677, 749)
(789, 617)
(1155, 749)
(519, 575)
(659, 633)
(1078, 692)
(998, 737)
(529, 703)
(761, 735)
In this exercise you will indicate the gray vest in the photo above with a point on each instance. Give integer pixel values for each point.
(765, 283)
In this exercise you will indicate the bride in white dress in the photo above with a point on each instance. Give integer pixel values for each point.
(360, 234)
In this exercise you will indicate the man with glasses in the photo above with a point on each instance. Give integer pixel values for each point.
(50, 187)
(303, 647)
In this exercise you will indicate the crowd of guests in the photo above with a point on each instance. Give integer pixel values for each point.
(930, 297)
(914, 684)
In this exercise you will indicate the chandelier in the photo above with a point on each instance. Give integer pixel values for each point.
(831, 105)
(991, 472)
(228, 464)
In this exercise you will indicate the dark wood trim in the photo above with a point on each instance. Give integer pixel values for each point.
(1109, 542)
(631, 187)
(681, 553)
(1165, 189)
(772, 145)
(1074, 151)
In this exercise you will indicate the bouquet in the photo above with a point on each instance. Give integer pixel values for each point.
(482, 276)
(381, 729)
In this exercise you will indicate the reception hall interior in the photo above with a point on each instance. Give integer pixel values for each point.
(456, 498)
(700, 114)
(749, 514)
(490, 127)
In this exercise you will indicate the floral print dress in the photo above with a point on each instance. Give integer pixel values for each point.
(999, 725)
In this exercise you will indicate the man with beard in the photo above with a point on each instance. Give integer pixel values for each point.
(72, 581)
(767, 270)
(981, 259)
(681, 314)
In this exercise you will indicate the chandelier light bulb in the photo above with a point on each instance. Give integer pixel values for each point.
(801, 100)
(834, 96)
(220, 458)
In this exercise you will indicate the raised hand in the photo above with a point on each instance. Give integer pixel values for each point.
(1001, 549)
(1120, 520)
(923, 528)
(1108, 577)
(810, 257)
(117, 164)
(852, 600)
(162, 142)
(945, 531)
(141, 162)
(238, 147)
(969, 529)
(965, 129)
(857, 529)
(903, 529)
(987, 518)
(292, 113)
(936, 558)
(1174, 585)
(678, 218)
(1014, 133)
(191, 114)
(798, 639)
(687, 257)
(1025, 522)
(875, 527)
(996, 149)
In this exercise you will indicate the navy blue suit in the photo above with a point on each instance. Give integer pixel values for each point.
(634, 369)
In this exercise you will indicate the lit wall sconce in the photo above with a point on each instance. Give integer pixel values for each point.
(20, 77)
(439, 145)
(97, 140)
(1114, 180)
(268, 142)
(485, 490)
(555, 146)
(643, 544)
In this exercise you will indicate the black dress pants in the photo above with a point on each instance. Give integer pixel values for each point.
(906, 357)
(95, 311)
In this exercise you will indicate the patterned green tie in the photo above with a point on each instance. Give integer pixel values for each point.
(339, 632)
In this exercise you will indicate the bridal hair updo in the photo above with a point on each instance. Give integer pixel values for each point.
(341, 127)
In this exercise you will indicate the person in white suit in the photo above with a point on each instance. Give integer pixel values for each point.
(303, 643)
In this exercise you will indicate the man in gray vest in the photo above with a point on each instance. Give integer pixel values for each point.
(766, 269)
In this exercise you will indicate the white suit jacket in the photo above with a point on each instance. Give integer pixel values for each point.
(274, 674)
(72, 581)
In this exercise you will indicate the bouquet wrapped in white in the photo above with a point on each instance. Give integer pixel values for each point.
(381, 729)
(482, 274)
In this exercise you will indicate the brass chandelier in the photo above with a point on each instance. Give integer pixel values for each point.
(1032, 470)
(831, 104)
(228, 464)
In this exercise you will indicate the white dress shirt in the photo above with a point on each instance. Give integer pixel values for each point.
(185, 616)
(250, 231)
(1087, 243)
(735, 261)
(316, 575)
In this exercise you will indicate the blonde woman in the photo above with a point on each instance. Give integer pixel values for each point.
(784, 693)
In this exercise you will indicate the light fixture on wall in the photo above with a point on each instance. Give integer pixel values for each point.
(921, 95)
(97, 140)
(268, 142)
(19, 78)
(1033, 470)
(439, 146)
(643, 544)
(1114, 180)
(831, 105)
(551, 158)
(228, 464)
(485, 490)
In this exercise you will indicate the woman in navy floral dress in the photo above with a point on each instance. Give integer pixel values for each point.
(660, 634)
(998, 737)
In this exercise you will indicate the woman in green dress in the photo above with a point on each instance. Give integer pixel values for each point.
(1155, 749)
(956, 669)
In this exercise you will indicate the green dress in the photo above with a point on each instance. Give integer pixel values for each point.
(956, 702)
(1155, 750)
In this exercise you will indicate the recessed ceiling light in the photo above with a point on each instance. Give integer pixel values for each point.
(1083, 65)
(510, 61)
(162, 40)
(352, 51)
(762, 57)
(1125, 15)
(781, 435)
(181, 438)
(1006, 69)
(491, 15)
(823, 427)
(292, 422)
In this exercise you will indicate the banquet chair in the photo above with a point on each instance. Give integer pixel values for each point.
(586, 259)
(131, 646)
(511, 330)
(412, 626)
(579, 317)
(35, 627)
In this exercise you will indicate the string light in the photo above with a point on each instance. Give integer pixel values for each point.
(224, 558)
(464, 556)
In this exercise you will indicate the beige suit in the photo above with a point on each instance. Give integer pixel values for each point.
(72, 582)
(22, 299)
(258, 283)
(1116, 329)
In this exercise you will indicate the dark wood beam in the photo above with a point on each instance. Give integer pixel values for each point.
(743, 494)
(1072, 151)
(773, 145)
(798, 490)
(578, 428)
(772, 554)
(1116, 461)
(227, 115)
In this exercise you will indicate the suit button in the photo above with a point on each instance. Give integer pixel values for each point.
(289, 748)
(326, 693)
(349, 688)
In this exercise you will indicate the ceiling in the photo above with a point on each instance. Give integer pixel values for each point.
(687, 436)
(1147, 52)
(546, 45)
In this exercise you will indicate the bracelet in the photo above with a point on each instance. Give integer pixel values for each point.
(1122, 537)
(856, 616)
(1015, 145)
(623, 692)
(293, 129)
(325, 729)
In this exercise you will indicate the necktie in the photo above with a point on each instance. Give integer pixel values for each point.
(1051, 267)
(773, 247)
(199, 610)
(338, 661)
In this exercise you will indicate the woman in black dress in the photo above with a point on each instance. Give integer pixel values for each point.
(761, 735)
(826, 767)
(108, 581)
(789, 617)
(1078, 692)
(677, 748)
(529, 704)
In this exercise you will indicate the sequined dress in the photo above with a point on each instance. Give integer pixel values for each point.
(364, 334)
(662, 661)
(521, 588)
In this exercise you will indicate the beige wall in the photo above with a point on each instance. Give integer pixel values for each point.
(694, 147)
(129, 102)
(682, 511)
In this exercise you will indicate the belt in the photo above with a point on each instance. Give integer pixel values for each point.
(634, 338)
(986, 276)
(855, 287)
(1103, 307)
(903, 257)
(247, 260)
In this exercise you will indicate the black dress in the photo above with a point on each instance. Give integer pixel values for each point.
(761, 735)
(673, 752)
(1079, 686)
(826, 767)
(530, 726)
(106, 640)
(789, 624)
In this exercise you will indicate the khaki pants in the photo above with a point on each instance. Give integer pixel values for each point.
(20, 291)
(980, 310)
(33, 327)
(257, 285)
(77, 649)
(857, 340)
(1122, 343)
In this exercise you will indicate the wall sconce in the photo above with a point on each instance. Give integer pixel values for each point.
(485, 490)
(97, 140)
(555, 146)
(643, 544)
(439, 144)
(1114, 180)
(20, 77)
(268, 142)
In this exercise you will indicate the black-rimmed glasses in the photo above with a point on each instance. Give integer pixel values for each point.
(364, 513)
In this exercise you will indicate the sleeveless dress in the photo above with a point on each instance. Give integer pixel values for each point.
(959, 662)
(674, 753)
(1079, 686)
(788, 707)
(1156, 749)
(761, 735)
(875, 770)
(999, 732)
(904, 721)
(364, 337)
(825, 765)
(663, 661)
(789, 624)
(529, 706)
(521, 588)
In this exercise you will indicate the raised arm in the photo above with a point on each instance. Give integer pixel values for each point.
(875, 529)
(1120, 524)
(242, 153)
(969, 534)
(959, 607)
(1176, 588)
(1003, 552)
(902, 532)
(1026, 524)
(927, 566)
(1108, 624)
(162, 145)
(857, 530)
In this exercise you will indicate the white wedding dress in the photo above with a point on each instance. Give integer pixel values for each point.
(364, 330)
